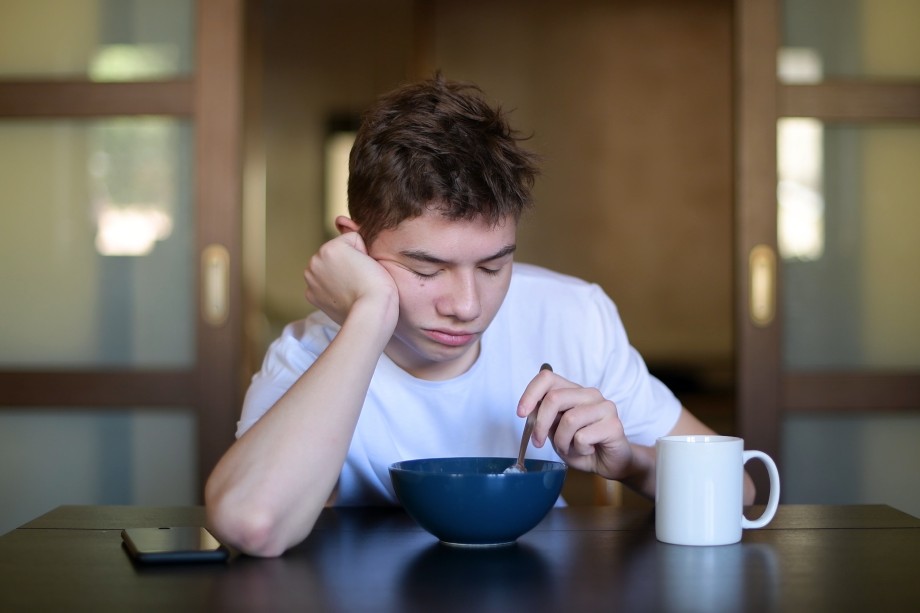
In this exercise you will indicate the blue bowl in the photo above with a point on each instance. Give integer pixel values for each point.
(470, 501)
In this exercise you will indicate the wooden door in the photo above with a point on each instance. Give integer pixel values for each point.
(784, 367)
(200, 106)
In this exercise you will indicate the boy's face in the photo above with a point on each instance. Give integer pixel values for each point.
(452, 277)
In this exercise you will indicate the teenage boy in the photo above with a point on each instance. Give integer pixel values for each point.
(428, 338)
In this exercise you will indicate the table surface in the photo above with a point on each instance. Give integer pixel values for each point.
(810, 558)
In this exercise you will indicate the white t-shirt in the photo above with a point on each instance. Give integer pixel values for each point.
(546, 317)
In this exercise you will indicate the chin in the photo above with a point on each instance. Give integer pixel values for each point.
(435, 362)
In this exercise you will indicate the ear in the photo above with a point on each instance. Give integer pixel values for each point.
(346, 224)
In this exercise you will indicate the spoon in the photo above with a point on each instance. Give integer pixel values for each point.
(518, 467)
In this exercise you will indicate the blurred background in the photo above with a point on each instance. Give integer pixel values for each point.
(740, 176)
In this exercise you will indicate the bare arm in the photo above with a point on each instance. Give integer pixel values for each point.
(265, 494)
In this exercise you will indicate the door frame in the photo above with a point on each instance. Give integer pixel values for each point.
(757, 351)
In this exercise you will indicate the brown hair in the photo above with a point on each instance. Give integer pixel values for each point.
(436, 143)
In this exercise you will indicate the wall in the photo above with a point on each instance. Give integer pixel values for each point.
(629, 104)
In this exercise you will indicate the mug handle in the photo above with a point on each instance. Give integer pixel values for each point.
(773, 501)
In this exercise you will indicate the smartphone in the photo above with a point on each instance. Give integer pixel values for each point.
(175, 545)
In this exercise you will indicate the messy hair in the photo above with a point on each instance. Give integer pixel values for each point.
(437, 144)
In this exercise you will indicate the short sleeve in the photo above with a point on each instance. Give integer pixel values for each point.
(288, 357)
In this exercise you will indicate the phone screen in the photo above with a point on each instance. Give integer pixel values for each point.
(173, 545)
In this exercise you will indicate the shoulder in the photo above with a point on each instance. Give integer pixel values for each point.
(311, 334)
(286, 359)
(298, 346)
(559, 316)
(540, 289)
(532, 276)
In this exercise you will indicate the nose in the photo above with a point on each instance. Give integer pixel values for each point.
(462, 298)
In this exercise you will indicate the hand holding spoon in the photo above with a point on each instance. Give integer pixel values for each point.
(518, 467)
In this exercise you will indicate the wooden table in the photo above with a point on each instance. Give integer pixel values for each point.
(810, 558)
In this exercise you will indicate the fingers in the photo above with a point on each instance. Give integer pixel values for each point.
(566, 410)
(537, 389)
(354, 240)
(341, 272)
(584, 428)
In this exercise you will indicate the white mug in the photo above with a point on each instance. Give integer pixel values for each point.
(700, 490)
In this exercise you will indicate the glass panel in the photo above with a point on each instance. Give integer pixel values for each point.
(96, 243)
(848, 220)
(849, 38)
(114, 456)
(105, 40)
(852, 458)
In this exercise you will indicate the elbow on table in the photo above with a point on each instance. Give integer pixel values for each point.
(253, 531)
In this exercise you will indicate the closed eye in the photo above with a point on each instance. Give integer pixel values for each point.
(422, 275)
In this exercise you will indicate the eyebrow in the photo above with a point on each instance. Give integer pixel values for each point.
(423, 256)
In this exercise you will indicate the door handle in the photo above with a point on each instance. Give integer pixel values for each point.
(215, 284)
(762, 299)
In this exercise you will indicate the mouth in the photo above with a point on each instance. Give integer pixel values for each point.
(451, 338)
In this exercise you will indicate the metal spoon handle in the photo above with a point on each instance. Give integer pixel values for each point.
(528, 426)
(525, 438)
